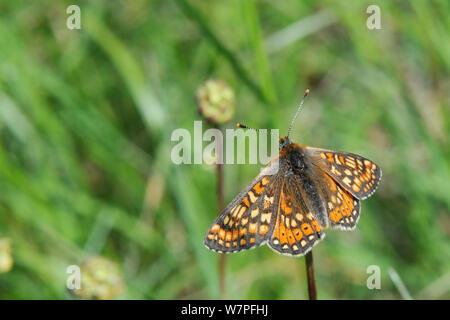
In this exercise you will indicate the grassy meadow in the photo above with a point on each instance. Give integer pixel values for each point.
(86, 118)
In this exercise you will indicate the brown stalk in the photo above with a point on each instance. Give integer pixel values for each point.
(312, 290)
(221, 205)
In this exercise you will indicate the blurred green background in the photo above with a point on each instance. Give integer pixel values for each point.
(86, 118)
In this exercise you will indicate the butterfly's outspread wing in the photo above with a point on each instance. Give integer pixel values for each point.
(343, 208)
(345, 178)
(248, 221)
(296, 229)
(357, 175)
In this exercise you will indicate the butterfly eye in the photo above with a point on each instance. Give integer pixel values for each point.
(284, 141)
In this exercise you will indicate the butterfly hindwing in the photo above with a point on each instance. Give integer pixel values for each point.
(357, 175)
(342, 207)
(296, 229)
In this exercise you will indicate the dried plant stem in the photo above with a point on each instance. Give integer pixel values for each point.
(222, 263)
(221, 205)
(312, 290)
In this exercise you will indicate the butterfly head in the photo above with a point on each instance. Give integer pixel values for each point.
(284, 141)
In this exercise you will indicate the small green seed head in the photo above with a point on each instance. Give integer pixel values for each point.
(215, 101)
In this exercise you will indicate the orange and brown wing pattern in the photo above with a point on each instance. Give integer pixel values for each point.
(248, 220)
(343, 208)
(296, 229)
(357, 175)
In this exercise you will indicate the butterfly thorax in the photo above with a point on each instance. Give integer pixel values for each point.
(293, 156)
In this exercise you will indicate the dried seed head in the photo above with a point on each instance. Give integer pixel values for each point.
(215, 101)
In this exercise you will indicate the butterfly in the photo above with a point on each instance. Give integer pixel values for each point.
(298, 195)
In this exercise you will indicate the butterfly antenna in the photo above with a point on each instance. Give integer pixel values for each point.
(298, 111)
(243, 126)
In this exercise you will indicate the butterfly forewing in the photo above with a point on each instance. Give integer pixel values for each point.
(357, 175)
